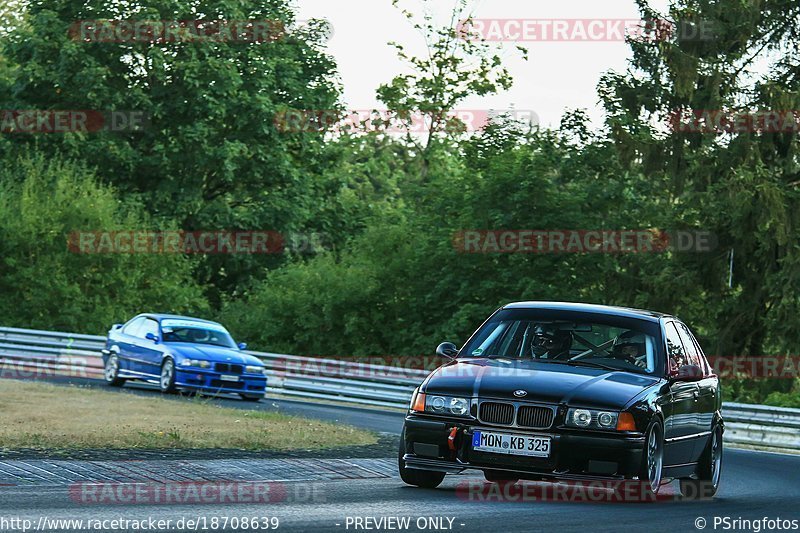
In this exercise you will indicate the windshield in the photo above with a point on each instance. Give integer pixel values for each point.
(585, 343)
(196, 333)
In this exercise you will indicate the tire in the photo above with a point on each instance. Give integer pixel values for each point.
(167, 380)
(651, 470)
(709, 470)
(111, 371)
(496, 476)
(249, 398)
(411, 476)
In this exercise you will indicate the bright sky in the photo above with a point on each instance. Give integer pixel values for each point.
(556, 77)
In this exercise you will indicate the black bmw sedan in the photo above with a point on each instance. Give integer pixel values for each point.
(566, 391)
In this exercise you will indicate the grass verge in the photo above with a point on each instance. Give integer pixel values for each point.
(41, 415)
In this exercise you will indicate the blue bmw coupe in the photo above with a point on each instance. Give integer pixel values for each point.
(182, 353)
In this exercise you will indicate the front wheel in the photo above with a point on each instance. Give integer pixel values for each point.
(167, 381)
(496, 476)
(652, 459)
(426, 479)
(250, 398)
(709, 470)
(111, 371)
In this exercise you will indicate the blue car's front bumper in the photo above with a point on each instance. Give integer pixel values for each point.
(207, 380)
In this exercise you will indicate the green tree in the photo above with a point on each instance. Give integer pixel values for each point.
(741, 185)
(48, 285)
(212, 153)
(457, 65)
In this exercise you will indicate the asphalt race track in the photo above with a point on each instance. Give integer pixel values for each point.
(355, 495)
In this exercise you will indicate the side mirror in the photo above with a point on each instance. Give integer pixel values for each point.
(447, 350)
(687, 373)
(242, 345)
(152, 336)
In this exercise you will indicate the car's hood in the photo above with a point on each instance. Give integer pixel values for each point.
(544, 382)
(218, 354)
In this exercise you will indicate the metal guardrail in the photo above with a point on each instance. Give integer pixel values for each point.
(40, 353)
(762, 425)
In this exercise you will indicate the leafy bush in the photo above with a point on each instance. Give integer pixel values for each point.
(783, 399)
(45, 285)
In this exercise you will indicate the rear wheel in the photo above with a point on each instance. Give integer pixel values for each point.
(420, 478)
(167, 381)
(709, 470)
(652, 459)
(111, 371)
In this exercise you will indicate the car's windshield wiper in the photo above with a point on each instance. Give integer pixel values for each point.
(589, 363)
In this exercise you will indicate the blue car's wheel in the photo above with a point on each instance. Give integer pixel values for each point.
(167, 381)
(250, 398)
(111, 371)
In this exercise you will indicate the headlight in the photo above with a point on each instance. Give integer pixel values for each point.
(196, 363)
(590, 418)
(254, 369)
(581, 417)
(447, 405)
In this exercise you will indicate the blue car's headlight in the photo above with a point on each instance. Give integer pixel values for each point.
(254, 369)
(196, 363)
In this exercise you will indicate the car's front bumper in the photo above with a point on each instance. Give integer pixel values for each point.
(574, 453)
(209, 381)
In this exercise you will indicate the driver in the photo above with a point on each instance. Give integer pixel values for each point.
(630, 347)
(198, 335)
(550, 342)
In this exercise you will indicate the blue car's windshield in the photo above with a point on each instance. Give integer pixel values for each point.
(196, 333)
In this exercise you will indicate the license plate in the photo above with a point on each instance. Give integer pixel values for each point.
(506, 443)
(226, 377)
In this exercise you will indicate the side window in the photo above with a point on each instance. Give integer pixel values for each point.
(150, 326)
(133, 327)
(675, 352)
(693, 347)
(692, 356)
